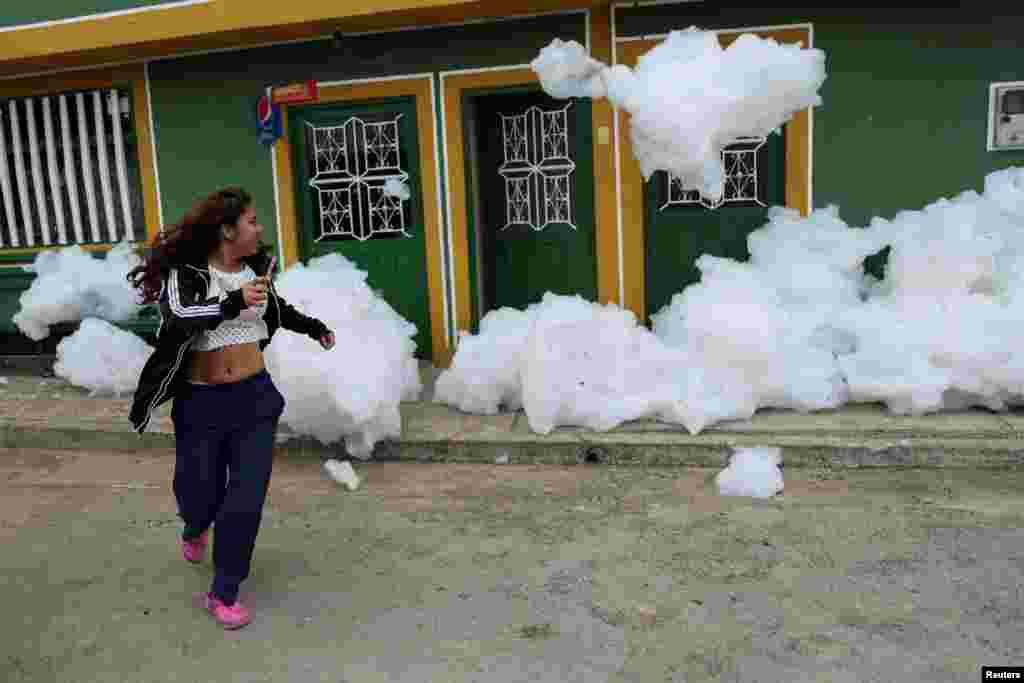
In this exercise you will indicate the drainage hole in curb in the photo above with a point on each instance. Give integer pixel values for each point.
(593, 455)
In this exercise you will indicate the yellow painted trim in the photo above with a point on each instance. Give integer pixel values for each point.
(131, 75)
(605, 207)
(237, 24)
(73, 80)
(147, 164)
(798, 145)
(420, 88)
(190, 20)
(426, 114)
(798, 162)
(631, 196)
(287, 209)
(32, 251)
(456, 13)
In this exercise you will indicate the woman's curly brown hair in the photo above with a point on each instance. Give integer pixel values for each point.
(189, 241)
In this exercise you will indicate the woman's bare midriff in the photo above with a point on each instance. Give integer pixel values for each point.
(228, 364)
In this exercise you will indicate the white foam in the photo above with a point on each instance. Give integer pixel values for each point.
(484, 374)
(799, 326)
(353, 391)
(688, 98)
(752, 472)
(71, 285)
(342, 473)
(102, 358)
(566, 70)
(394, 187)
(565, 361)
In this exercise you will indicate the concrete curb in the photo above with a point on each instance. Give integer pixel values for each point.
(710, 449)
(48, 413)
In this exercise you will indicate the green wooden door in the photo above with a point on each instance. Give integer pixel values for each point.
(680, 226)
(345, 155)
(535, 204)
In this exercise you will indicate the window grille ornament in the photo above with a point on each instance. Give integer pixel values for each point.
(353, 163)
(741, 180)
(537, 168)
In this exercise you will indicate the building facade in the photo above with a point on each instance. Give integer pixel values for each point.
(116, 115)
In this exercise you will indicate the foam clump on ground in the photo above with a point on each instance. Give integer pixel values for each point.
(102, 358)
(936, 333)
(941, 330)
(752, 472)
(593, 366)
(484, 374)
(353, 391)
(688, 98)
(71, 285)
(565, 361)
(762, 332)
(801, 325)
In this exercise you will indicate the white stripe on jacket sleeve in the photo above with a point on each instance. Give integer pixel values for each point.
(182, 311)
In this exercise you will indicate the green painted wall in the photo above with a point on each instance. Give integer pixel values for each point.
(17, 12)
(903, 121)
(205, 106)
(13, 281)
(206, 140)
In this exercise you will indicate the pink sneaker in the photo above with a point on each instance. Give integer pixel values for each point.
(195, 549)
(229, 616)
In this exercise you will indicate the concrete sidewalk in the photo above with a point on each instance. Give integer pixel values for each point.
(38, 412)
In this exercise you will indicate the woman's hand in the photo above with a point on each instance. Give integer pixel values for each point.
(254, 293)
(327, 341)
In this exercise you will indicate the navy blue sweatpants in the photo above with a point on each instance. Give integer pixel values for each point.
(224, 440)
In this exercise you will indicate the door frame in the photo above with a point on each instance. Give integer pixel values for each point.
(455, 87)
(475, 246)
(421, 87)
(475, 224)
(631, 195)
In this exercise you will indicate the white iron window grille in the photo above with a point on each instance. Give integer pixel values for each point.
(741, 179)
(537, 168)
(352, 163)
(69, 170)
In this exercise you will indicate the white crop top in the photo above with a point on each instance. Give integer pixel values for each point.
(248, 327)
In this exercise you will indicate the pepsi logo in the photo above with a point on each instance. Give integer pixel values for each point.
(264, 111)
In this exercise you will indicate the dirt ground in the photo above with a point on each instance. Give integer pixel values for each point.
(516, 573)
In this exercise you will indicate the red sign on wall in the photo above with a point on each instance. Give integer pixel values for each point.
(297, 93)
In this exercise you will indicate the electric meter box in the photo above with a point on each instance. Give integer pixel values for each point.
(1006, 116)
